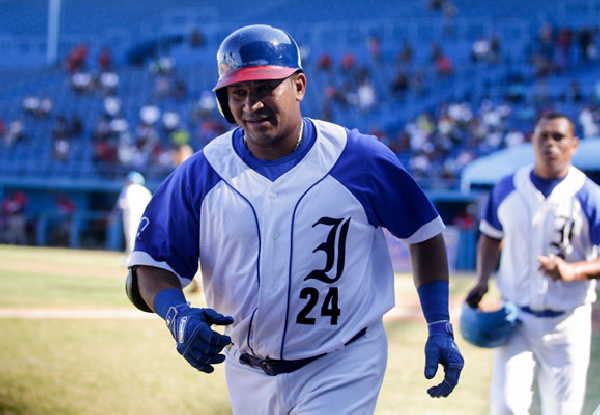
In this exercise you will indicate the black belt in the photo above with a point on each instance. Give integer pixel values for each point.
(543, 313)
(275, 367)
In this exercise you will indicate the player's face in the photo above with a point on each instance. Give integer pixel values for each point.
(269, 113)
(554, 144)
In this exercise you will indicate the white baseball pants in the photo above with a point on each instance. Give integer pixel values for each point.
(345, 381)
(555, 350)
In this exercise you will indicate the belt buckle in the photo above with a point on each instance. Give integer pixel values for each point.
(266, 366)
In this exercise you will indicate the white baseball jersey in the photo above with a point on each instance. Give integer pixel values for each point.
(566, 223)
(300, 260)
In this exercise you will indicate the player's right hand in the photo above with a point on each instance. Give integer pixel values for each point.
(476, 294)
(196, 341)
(440, 349)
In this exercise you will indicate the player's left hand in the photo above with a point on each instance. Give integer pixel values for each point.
(196, 341)
(441, 349)
(556, 268)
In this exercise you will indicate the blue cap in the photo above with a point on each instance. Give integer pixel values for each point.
(257, 52)
(135, 177)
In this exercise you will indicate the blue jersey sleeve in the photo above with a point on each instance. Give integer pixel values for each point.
(589, 198)
(168, 236)
(490, 209)
(390, 196)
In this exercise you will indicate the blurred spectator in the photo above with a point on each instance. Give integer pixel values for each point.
(15, 133)
(60, 130)
(182, 153)
(325, 62)
(30, 105)
(13, 212)
(45, 107)
(61, 149)
(406, 54)
(564, 40)
(162, 86)
(365, 94)
(204, 107)
(573, 92)
(105, 151)
(587, 47)
(81, 82)
(196, 39)
(133, 200)
(65, 209)
(60, 139)
(39, 108)
(77, 58)
(105, 60)
(464, 219)
(400, 83)
(514, 138)
(374, 47)
(480, 52)
(495, 49)
(180, 137)
(589, 121)
(443, 65)
(112, 106)
(162, 65)
(179, 89)
(348, 62)
(2, 128)
(149, 114)
(171, 122)
(75, 126)
(102, 130)
(109, 82)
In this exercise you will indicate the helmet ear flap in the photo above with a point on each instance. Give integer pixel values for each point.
(223, 105)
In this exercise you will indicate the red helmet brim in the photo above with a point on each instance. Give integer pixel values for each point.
(254, 73)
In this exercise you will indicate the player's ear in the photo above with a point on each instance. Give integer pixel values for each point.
(299, 83)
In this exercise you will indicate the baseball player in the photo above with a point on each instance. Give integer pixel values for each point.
(133, 199)
(285, 216)
(546, 219)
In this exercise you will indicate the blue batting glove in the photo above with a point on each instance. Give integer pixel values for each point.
(196, 342)
(441, 349)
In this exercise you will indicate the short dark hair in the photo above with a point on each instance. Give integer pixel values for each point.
(555, 115)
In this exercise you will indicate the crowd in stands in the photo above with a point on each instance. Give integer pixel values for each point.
(435, 144)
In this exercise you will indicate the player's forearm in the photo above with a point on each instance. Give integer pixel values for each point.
(585, 270)
(429, 261)
(488, 254)
(153, 280)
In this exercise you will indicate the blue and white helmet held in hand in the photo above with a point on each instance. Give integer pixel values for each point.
(489, 329)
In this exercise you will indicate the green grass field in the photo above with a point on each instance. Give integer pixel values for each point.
(129, 366)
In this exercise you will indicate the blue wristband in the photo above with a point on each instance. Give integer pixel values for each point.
(167, 298)
(434, 301)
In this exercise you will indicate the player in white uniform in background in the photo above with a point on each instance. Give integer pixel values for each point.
(285, 216)
(546, 220)
(133, 200)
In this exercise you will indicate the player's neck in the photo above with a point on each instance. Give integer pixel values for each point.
(278, 147)
(551, 172)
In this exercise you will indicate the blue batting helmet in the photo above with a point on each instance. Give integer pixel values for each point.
(254, 52)
(488, 329)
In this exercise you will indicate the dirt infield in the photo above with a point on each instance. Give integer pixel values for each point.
(405, 311)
